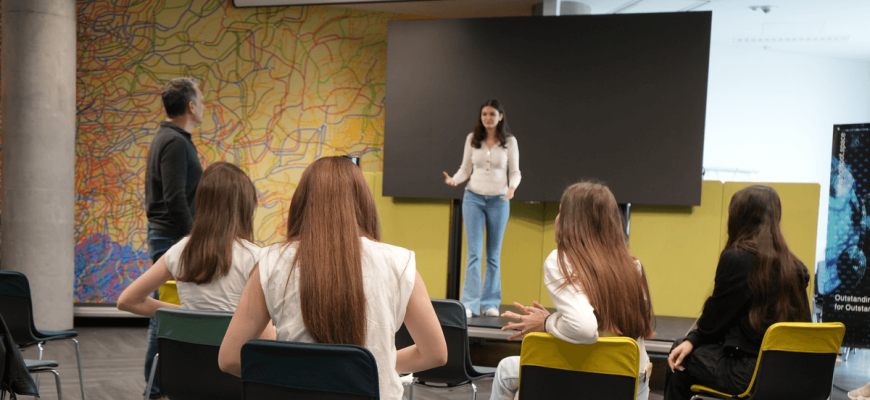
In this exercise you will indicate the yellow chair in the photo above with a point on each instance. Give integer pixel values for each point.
(169, 293)
(554, 369)
(796, 361)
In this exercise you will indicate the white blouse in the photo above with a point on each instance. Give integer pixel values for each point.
(574, 321)
(220, 294)
(389, 273)
(491, 167)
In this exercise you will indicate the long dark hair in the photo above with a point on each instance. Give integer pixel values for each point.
(592, 242)
(502, 131)
(225, 205)
(331, 209)
(776, 278)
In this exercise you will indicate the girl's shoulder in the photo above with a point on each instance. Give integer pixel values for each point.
(551, 264)
(248, 245)
(385, 250)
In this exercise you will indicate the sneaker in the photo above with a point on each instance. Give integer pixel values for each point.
(860, 393)
(491, 312)
(467, 313)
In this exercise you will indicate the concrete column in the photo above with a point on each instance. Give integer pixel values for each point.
(38, 152)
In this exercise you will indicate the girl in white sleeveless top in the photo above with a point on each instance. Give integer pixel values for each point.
(211, 266)
(333, 282)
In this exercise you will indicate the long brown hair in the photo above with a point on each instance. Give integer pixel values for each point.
(594, 257)
(331, 209)
(776, 278)
(225, 205)
(502, 131)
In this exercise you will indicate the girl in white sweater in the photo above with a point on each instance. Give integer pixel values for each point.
(598, 288)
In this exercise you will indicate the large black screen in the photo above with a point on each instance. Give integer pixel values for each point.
(617, 98)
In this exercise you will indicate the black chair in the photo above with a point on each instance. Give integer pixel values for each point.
(308, 371)
(796, 361)
(554, 369)
(188, 343)
(16, 307)
(15, 372)
(458, 370)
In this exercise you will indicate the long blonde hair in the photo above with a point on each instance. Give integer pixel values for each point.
(594, 257)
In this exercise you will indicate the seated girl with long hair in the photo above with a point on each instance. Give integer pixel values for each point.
(211, 265)
(334, 282)
(759, 282)
(597, 286)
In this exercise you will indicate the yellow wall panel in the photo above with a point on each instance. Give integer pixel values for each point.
(800, 218)
(421, 225)
(679, 247)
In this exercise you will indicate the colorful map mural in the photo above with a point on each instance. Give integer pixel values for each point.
(282, 85)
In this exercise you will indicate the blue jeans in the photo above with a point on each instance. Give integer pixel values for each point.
(158, 243)
(479, 212)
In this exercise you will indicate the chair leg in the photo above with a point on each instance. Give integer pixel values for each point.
(410, 390)
(56, 380)
(473, 392)
(151, 378)
(39, 344)
(81, 376)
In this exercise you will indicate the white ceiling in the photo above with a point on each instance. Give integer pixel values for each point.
(827, 28)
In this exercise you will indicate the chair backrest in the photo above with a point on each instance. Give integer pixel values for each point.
(451, 316)
(797, 361)
(17, 308)
(552, 369)
(188, 343)
(275, 370)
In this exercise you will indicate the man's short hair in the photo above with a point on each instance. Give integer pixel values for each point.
(177, 94)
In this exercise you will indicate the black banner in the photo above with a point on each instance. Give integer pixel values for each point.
(842, 289)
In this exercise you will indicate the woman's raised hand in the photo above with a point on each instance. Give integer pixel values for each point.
(532, 321)
(448, 180)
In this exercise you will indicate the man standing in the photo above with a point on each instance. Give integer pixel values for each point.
(171, 177)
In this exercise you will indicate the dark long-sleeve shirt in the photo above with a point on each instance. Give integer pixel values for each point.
(725, 318)
(171, 178)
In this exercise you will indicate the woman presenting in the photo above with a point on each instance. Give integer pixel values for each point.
(492, 161)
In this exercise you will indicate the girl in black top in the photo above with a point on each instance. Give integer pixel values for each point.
(759, 282)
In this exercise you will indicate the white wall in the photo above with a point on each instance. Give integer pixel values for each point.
(773, 114)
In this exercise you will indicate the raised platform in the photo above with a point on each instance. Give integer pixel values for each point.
(667, 330)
